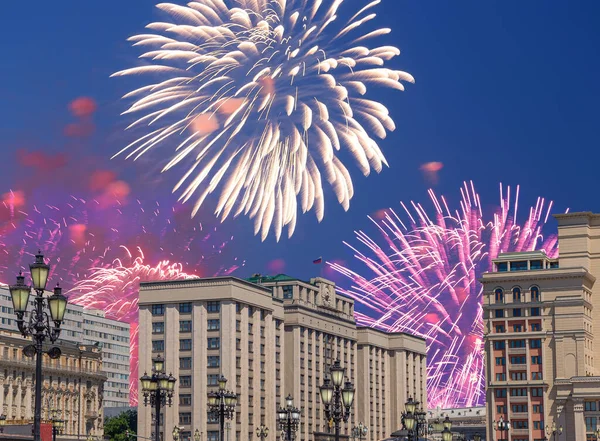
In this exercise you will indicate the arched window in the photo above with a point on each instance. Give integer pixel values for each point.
(499, 295)
(516, 295)
(535, 294)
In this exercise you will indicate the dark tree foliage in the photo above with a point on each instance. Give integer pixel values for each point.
(116, 428)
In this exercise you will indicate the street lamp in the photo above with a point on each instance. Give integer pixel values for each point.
(553, 430)
(2, 423)
(262, 432)
(503, 426)
(596, 433)
(359, 431)
(413, 419)
(57, 426)
(158, 391)
(197, 435)
(38, 326)
(288, 418)
(222, 405)
(477, 437)
(176, 432)
(446, 434)
(337, 400)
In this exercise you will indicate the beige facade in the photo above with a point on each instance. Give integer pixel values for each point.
(270, 336)
(540, 319)
(73, 385)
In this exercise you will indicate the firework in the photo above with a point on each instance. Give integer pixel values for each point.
(423, 279)
(259, 98)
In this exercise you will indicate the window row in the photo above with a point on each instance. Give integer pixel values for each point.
(185, 308)
(500, 329)
(517, 295)
(534, 343)
(517, 312)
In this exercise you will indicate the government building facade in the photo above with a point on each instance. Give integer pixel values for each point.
(542, 356)
(270, 337)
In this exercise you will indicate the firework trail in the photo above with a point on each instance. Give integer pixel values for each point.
(423, 279)
(261, 96)
(115, 290)
(87, 245)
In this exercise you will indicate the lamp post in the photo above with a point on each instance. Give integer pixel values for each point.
(596, 433)
(262, 432)
(222, 405)
(57, 426)
(176, 433)
(447, 432)
(359, 431)
(553, 430)
(414, 419)
(477, 437)
(288, 418)
(503, 426)
(2, 423)
(158, 390)
(38, 326)
(337, 399)
(197, 435)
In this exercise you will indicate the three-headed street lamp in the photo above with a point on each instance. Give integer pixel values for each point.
(337, 399)
(359, 431)
(158, 390)
(2, 423)
(503, 426)
(197, 435)
(288, 418)
(414, 419)
(553, 430)
(596, 434)
(38, 326)
(262, 432)
(477, 437)
(221, 404)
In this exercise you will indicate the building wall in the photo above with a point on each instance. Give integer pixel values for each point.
(276, 337)
(73, 385)
(549, 372)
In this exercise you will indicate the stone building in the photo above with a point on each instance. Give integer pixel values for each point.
(73, 385)
(540, 316)
(271, 336)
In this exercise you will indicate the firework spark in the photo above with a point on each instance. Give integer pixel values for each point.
(423, 280)
(262, 96)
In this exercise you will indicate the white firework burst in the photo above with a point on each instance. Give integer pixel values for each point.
(262, 95)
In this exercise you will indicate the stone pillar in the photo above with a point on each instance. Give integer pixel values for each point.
(579, 420)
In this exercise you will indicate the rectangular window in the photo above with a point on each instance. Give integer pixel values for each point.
(185, 326)
(520, 424)
(213, 379)
(185, 399)
(517, 344)
(518, 359)
(516, 312)
(185, 381)
(213, 306)
(158, 309)
(502, 267)
(158, 327)
(536, 376)
(499, 313)
(536, 327)
(501, 376)
(538, 425)
(518, 392)
(518, 408)
(500, 329)
(537, 391)
(535, 312)
(214, 342)
(500, 361)
(158, 345)
(500, 393)
(185, 308)
(214, 324)
(536, 264)
(591, 423)
(185, 344)
(538, 408)
(518, 266)
(214, 361)
(185, 418)
(518, 376)
(238, 325)
(238, 307)
(590, 406)
(501, 409)
(185, 362)
(288, 292)
(536, 359)
(517, 328)
(499, 344)
(535, 343)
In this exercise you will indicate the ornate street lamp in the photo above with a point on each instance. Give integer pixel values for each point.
(2, 423)
(477, 437)
(553, 430)
(158, 391)
(57, 425)
(288, 418)
(197, 435)
(176, 432)
(337, 399)
(503, 426)
(446, 434)
(38, 326)
(413, 419)
(262, 432)
(596, 434)
(359, 431)
(222, 404)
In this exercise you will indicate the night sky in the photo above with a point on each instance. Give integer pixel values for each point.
(505, 92)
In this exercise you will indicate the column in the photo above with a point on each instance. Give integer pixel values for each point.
(244, 405)
(578, 419)
(171, 413)
(199, 362)
(145, 366)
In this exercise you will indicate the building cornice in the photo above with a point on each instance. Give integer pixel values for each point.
(390, 334)
(547, 274)
(201, 282)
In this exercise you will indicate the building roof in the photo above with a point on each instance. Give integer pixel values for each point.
(259, 278)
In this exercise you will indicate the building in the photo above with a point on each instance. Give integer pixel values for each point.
(89, 326)
(540, 316)
(73, 385)
(270, 337)
(466, 421)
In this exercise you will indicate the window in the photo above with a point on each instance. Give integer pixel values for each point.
(517, 343)
(185, 362)
(516, 312)
(238, 307)
(263, 314)
(500, 393)
(185, 381)
(158, 345)
(553, 264)
(517, 328)
(500, 329)
(535, 343)
(536, 327)
(518, 359)
(214, 361)
(536, 264)
(158, 327)
(518, 266)
(536, 359)
(536, 376)
(214, 324)
(213, 379)
(158, 309)
(501, 409)
(499, 344)
(535, 312)
(185, 326)
(185, 418)
(499, 313)
(185, 344)
(591, 423)
(590, 406)
(185, 308)
(518, 408)
(537, 391)
(213, 306)
(500, 361)
(535, 294)
(520, 424)
(288, 292)
(518, 376)
(214, 342)
(499, 295)
(502, 267)
(501, 376)
(538, 408)
(238, 325)
(185, 399)
(518, 391)
(517, 295)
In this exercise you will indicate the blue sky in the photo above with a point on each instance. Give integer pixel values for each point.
(505, 91)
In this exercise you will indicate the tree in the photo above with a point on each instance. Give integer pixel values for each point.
(117, 427)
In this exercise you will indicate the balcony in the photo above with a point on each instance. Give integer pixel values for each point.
(516, 399)
(517, 351)
(519, 415)
(91, 415)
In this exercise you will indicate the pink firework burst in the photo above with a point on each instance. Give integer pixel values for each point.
(421, 277)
